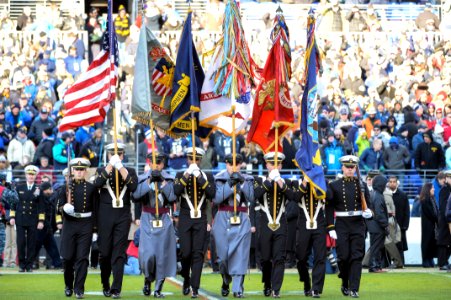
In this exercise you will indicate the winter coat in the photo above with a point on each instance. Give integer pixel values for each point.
(379, 222)
(330, 155)
(429, 156)
(17, 150)
(443, 234)
(428, 227)
(396, 158)
(371, 160)
(402, 213)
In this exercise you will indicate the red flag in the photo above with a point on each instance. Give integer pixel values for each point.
(87, 101)
(272, 105)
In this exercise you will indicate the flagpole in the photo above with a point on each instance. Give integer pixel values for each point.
(234, 160)
(311, 204)
(154, 166)
(194, 158)
(112, 49)
(275, 168)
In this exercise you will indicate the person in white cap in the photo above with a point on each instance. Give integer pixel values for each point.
(157, 241)
(193, 223)
(344, 197)
(28, 216)
(273, 229)
(113, 218)
(76, 207)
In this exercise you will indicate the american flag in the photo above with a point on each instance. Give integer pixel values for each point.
(88, 99)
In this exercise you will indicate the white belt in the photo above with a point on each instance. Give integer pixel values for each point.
(81, 215)
(348, 213)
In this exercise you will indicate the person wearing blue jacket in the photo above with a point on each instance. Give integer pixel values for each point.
(331, 153)
(372, 158)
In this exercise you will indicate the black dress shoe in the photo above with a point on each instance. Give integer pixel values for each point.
(194, 294)
(276, 294)
(238, 295)
(354, 294)
(158, 294)
(307, 293)
(115, 295)
(267, 292)
(79, 295)
(315, 294)
(146, 288)
(29, 270)
(344, 291)
(68, 292)
(21, 270)
(106, 292)
(225, 290)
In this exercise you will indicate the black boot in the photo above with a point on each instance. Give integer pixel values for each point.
(186, 288)
(68, 291)
(146, 288)
(225, 290)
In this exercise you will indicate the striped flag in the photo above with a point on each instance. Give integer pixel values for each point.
(88, 99)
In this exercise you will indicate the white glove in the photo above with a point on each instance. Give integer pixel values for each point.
(118, 165)
(196, 172)
(94, 237)
(333, 234)
(367, 214)
(68, 209)
(274, 175)
(114, 160)
(191, 169)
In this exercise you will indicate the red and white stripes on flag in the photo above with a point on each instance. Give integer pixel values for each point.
(87, 101)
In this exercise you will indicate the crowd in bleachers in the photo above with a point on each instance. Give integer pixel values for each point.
(385, 98)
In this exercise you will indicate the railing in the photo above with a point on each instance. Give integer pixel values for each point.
(410, 180)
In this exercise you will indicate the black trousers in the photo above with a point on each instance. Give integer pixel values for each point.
(306, 241)
(376, 246)
(113, 227)
(291, 241)
(45, 238)
(192, 236)
(76, 239)
(350, 249)
(443, 253)
(272, 247)
(26, 245)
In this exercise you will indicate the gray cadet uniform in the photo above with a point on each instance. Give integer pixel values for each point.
(157, 246)
(233, 242)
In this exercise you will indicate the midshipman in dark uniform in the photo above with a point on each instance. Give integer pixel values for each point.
(344, 197)
(79, 224)
(233, 236)
(157, 243)
(273, 231)
(28, 216)
(114, 218)
(193, 224)
(311, 234)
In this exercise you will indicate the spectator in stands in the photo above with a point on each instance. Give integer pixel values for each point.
(330, 154)
(172, 19)
(446, 124)
(73, 21)
(209, 160)
(6, 23)
(122, 27)
(45, 170)
(77, 43)
(334, 16)
(25, 19)
(93, 149)
(5, 168)
(369, 122)
(45, 146)
(83, 134)
(60, 153)
(357, 22)
(40, 123)
(371, 158)
(177, 157)
(396, 156)
(429, 155)
(428, 225)
(6, 130)
(73, 62)
(427, 20)
(95, 33)
(20, 150)
(372, 19)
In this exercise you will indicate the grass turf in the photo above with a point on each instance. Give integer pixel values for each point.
(405, 285)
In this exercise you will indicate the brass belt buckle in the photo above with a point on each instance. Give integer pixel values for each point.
(274, 226)
(235, 220)
(157, 223)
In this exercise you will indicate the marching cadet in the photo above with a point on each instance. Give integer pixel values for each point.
(273, 232)
(114, 216)
(157, 243)
(193, 223)
(28, 216)
(344, 197)
(76, 207)
(233, 235)
(311, 234)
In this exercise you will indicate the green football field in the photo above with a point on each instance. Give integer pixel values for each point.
(399, 284)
